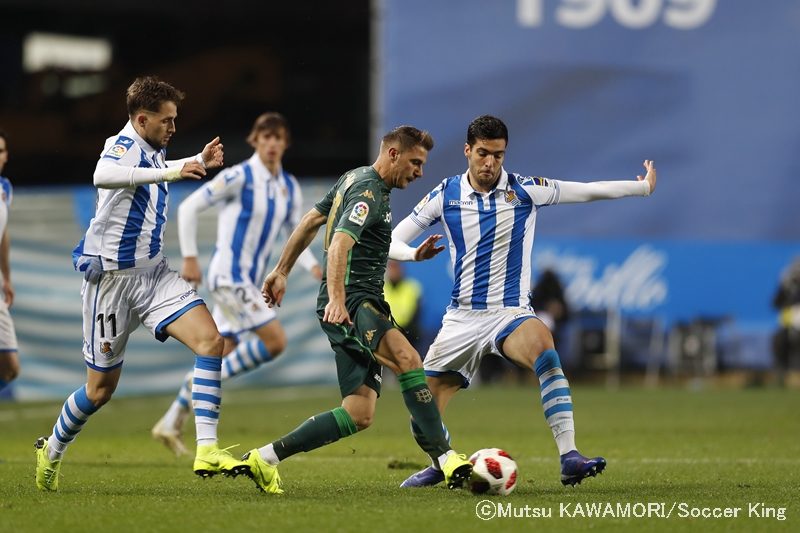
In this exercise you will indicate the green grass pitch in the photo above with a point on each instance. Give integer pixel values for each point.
(703, 449)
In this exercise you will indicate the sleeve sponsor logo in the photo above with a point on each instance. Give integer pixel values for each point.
(119, 148)
(422, 203)
(359, 213)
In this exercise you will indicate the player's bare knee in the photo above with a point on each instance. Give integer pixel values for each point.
(99, 396)
(407, 359)
(363, 421)
(211, 344)
(9, 373)
(275, 346)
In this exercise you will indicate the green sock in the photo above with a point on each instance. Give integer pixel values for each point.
(315, 432)
(419, 402)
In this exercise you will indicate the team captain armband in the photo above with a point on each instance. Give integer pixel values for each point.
(119, 148)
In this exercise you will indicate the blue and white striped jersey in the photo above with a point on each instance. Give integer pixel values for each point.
(490, 235)
(253, 207)
(128, 227)
(6, 194)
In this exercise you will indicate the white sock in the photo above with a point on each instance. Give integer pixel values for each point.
(267, 453)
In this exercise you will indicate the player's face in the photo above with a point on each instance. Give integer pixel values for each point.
(407, 165)
(3, 154)
(159, 127)
(485, 159)
(270, 146)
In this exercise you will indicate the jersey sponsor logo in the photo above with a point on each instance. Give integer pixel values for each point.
(359, 213)
(120, 147)
(461, 202)
(368, 194)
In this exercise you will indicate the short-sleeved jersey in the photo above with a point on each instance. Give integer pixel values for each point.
(359, 205)
(253, 207)
(490, 234)
(128, 226)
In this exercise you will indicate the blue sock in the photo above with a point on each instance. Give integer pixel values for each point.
(206, 397)
(247, 356)
(556, 400)
(74, 414)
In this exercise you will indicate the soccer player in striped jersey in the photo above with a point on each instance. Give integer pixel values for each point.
(489, 217)
(127, 281)
(256, 199)
(9, 361)
(353, 313)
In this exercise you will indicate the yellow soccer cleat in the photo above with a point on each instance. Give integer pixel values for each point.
(46, 470)
(210, 461)
(264, 474)
(457, 470)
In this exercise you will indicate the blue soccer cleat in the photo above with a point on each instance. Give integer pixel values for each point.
(575, 467)
(424, 478)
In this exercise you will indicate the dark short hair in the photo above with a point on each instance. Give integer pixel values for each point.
(149, 92)
(270, 122)
(486, 127)
(408, 137)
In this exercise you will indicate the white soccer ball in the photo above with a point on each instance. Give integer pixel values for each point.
(493, 472)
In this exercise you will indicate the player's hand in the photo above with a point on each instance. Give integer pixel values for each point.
(190, 271)
(316, 271)
(336, 313)
(274, 288)
(8, 293)
(650, 177)
(212, 154)
(428, 248)
(193, 171)
(91, 267)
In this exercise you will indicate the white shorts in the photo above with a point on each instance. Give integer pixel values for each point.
(467, 335)
(8, 336)
(115, 306)
(240, 308)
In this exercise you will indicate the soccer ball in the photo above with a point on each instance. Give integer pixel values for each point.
(493, 472)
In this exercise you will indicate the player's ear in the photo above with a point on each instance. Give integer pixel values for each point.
(140, 119)
(467, 149)
(394, 153)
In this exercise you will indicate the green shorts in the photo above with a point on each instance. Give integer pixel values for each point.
(354, 345)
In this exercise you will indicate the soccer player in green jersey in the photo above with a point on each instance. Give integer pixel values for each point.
(353, 312)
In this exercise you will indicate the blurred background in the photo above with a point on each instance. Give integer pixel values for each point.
(691, 286)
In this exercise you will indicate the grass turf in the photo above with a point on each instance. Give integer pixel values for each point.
(700, 448)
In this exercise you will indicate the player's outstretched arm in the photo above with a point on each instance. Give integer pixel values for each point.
(573, 191)
(650, 177)
(274, 285)
(405, 232)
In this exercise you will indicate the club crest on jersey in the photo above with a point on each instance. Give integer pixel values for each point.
(359, 213)
(120, 147)
(105, 349)
(511, 198)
